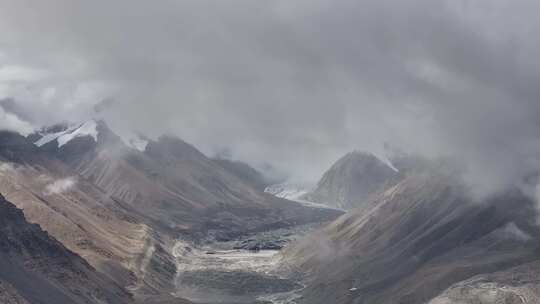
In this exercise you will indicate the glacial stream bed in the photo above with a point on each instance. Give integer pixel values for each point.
(232, 277)
(217, 273)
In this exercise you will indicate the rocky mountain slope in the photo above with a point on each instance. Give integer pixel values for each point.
(105, 231)
(352, 180)
(415, 240)
(245, 172)
(35, 268)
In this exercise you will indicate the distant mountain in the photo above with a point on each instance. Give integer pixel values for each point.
(352, 180)
(417, 238)
(173, 184)
(245, 172)
(35, 268)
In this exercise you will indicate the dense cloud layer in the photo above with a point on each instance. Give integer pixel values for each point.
(295, 83)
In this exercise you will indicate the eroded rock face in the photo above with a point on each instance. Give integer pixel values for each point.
(352, 180)
(38, 269)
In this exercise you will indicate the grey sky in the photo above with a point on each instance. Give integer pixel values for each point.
(296, 83)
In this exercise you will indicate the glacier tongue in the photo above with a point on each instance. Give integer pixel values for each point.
(289, 191)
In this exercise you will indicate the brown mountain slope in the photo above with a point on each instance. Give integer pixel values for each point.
(104, 231)
(35, 268)
(413, 241)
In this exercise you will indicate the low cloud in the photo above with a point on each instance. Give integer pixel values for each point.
(295, 84)
(11, 122)
(6, 168)
(60, 186)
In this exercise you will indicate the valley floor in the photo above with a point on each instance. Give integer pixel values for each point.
(219, 273)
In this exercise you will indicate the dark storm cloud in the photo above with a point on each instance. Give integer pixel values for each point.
(294, 83)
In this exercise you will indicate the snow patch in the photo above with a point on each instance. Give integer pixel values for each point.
(386, 161)
(48, 137)
(88, 128)
(295, 192)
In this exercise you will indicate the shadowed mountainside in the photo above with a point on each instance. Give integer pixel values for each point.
(105, 231)
(38, 269)
(415, 240)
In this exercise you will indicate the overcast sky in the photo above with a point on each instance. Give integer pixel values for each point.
(295, 83)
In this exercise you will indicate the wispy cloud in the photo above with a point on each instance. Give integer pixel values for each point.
(294, 83)
(60, 186)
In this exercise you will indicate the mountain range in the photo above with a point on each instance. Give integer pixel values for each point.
(88, 217)
(121, 209)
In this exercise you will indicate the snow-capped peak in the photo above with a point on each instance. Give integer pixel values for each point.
(64, 133)
(88, 128)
